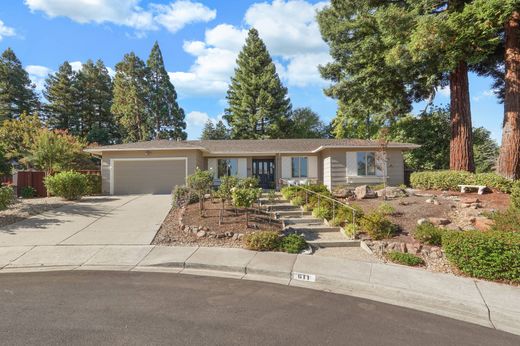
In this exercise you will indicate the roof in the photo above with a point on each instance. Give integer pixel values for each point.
(252, 146)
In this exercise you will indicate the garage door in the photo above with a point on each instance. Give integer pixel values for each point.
(147, 175)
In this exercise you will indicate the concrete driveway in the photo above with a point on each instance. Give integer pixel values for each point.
(107, 220)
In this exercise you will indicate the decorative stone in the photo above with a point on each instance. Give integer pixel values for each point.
(229, 234)
(422, 221)
(235, 236)
(438, 221)
(343, 192)
(469, 200)
(201, 234)
(452, 227)
(483, 223)
(205, 228)
(392, 192)
(413, 248)
(402, 247)
(240, 236)
(364, 191)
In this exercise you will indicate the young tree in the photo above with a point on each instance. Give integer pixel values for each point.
(200, 182)
(258, 105)
(94, 88)
(211, 131)
(166, 115)
(305, 123)
(61, 93)
(17, 136)
(130, 103)
(17, 93)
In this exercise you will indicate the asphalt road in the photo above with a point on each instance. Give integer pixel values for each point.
(131, 308)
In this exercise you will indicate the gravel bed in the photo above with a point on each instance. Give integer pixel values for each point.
(25, 208)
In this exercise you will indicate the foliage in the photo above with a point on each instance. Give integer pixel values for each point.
(305, 123)
(130, 103)
(293, 243)
(351, 230)
(218, 131)
(263, 241)
(515, 195)
(5, 166)
(93, 184)
(344, 215)
(69, 185)
(449, 180)
(55, 151)
(491, 255)
(506, 221)
(289, 191)
(28, 192)
(17, 135)
(225, 189)
(249, 182)
(61, 93)
(200, 182)
(406, 259)
(298, 201)
(182, 195)
(167, 118)
(322, 212)
(6, 196)
(377, 226)
(17, 94)
(245, 197)
(429, 234)
(385, 209)
(258, 105)
(485, 150)
(271, 196)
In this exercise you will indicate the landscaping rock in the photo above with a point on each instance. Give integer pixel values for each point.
(469, 200)
(422, 221)
(413, 248)
(392, 192)
(235, 236)
(201, 234)
(229, 234)
(364, 191)
(438, 221)
(343, 192)
(483, 223)
(452, 227)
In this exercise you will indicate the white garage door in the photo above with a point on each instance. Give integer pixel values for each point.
(132, 176)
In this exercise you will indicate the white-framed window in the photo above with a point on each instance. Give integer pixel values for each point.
(366, 163)
(227, 167)
(299, 167)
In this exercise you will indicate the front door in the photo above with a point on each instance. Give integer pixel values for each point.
(263, 169)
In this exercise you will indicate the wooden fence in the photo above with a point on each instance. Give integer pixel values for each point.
(34, 179)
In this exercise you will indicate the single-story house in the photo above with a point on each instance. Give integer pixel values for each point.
(157, 166)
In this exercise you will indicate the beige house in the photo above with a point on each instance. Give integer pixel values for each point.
(157, 166)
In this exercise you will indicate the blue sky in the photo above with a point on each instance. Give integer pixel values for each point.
(199, 41)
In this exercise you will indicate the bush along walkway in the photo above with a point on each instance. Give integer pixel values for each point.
(315, 231)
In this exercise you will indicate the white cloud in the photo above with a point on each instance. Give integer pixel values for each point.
(6, 31)
(484, 94)
(178, 14)
(444, 91)
(173, 16)
(196, 118)
(38, 74)
(76, 65)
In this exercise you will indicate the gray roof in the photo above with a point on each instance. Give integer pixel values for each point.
(251, 146)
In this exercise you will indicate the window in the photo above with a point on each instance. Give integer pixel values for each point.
(299, 167)
(227, 167)
(366, 163)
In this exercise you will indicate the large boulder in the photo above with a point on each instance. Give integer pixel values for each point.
(364, 191)
(342, 192)
(392, 192)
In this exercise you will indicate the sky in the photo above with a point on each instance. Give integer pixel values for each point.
(200, 41)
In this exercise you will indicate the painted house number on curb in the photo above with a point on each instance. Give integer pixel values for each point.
(304, 277)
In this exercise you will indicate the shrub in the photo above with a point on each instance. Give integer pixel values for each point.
(377, 226)
(249, 182)
(343, 215)
(506, 221)
(298, 200)
(200, 182)
(271, 196)
(69, 185)
(429, 234)
(322, 212)
(449, 180)
(225, 189)
(406, 259)
(28, 192)
(6, 196)
(263, 241)
(351, 230)
(93, 184)
(182, 195)
(289, 191)
(293, 243)
(515, 195)
(491, 255)
(385, 209)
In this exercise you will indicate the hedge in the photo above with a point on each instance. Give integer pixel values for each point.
(449, 180)
(69, 185)
(491, 255)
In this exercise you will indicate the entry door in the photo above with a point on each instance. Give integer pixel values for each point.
(263, 169)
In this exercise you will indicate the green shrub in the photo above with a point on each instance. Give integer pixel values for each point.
(271, 196)
(28, 192)
(93, 184)
(225, 189)
(491, 255)
(69, 185)
(429, 234)
(449, 180)
(182, 195)
(293, 243)
(351, 230)
(322, 212)
(377, 226)
(249, 182)
(506, 221)
(515, 195)
(298, 201)
(406, 259)
(386, 209)
(289, 191)
(318, 188)
(263, 241)
(6, 196)
(343, 215)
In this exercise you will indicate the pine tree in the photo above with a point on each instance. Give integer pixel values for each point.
(94, 87)
(166, 115)
(258, 105)
(61, 93)
(208, 130)
(17, 94)
(130, 103)
(212, 131)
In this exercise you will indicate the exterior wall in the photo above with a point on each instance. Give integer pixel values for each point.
(194, 159)
(340, 168)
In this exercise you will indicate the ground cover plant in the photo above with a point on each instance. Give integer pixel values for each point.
(263, 241)
(429, 234)
(404, 258)
(293, 243)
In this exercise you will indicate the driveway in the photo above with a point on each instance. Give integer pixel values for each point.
(110, 220)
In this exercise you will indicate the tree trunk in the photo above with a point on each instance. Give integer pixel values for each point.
(461, 143)
(509, 158)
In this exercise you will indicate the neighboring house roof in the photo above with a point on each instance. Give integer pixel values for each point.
(252, 146)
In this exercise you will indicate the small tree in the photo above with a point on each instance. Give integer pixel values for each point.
(201, 182)
(382, 156)
(245, 198)
(225, 190)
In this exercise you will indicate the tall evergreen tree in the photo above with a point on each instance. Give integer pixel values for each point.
(130, 103)
(166, 115)
(17, 94)
(258, 105)
(211, 131)
(305, 123)
(94, 87)
(61, 93)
